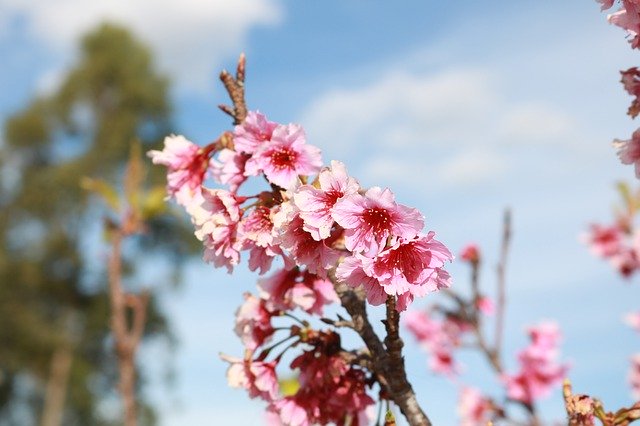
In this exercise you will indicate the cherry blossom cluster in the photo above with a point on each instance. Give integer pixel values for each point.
(539, 367)
(321, 225)
(618, 243)
(311, 224)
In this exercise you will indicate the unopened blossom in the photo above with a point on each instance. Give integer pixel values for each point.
(228, 169)
(631, 82)
(290, 289)
(257, 377)
(438, 337)
(285, 157)
(539, 368)
(634, 376)
(470, 253)
(254, 131)
(187, 165)
(216, 223)
(316, 204)
(474, 409)
(633, 320)
(253, 322)
(371, 218)
(629, 151)
(626, 261)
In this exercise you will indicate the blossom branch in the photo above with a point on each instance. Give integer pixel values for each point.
(391, 376)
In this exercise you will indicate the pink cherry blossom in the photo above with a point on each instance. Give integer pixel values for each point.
(316, 205)
(228, 169)
(254, 131)
(370, 219)
(286, 290)
(257, 377)
(539, 369)
(474, 409)
(253, 322)
(631, 82)
(470, 253)
(626, 261)
(629, 151)
(634, 376)
(216, 221)
(315, 255)
(285, 157)
(410, 265)
(351, 273)
(187, 165)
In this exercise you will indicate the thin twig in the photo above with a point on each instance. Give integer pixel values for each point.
(501, 272)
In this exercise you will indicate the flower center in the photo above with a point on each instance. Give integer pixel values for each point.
(283, 158)
(377, 219)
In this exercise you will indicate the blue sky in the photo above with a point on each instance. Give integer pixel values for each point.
(461, 107)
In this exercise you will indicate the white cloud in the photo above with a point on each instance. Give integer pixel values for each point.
(191, 37)
(537, 123)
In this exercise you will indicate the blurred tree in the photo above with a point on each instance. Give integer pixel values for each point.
(55, 353)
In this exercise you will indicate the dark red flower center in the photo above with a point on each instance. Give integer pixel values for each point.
(377, 219)
(283, 158)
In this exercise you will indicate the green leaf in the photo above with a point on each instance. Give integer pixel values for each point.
(101, 188)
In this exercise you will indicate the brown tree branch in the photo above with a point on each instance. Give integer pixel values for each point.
(501, 272)
(235, 89)
(126, 338)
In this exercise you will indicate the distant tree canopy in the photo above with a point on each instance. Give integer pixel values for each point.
(52, 279)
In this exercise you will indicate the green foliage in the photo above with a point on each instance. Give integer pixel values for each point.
(53, 283)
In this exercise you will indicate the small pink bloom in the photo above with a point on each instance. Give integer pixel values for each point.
(629, 151)
(316, 205)
(606, 4)
(229, 168)
(187, 165)
(257, 377)
(474, 409)
(633, 320)
(470, 253)
(254, 131)
(253, 322)
(370, 219)
(634, 376)
(625, 261)
(285, 157)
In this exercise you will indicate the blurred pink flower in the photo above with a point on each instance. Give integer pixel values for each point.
(253, 322)
(634, 376)
(470, 253)
(257, 377)
(474, 409)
